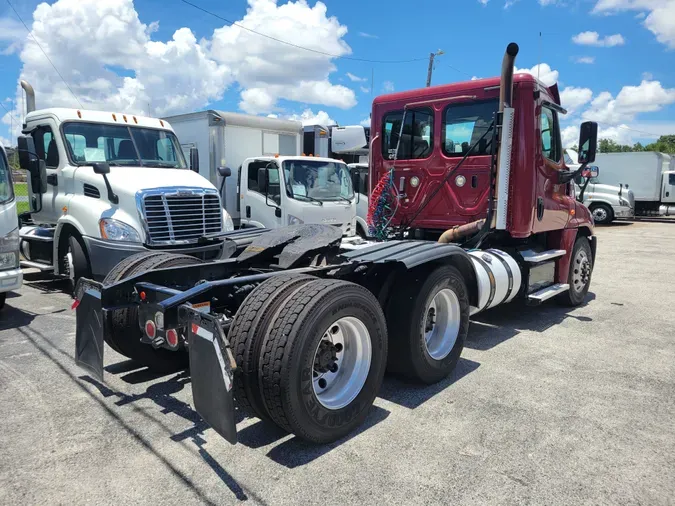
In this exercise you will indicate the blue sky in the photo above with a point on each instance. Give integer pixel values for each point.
(628, 86)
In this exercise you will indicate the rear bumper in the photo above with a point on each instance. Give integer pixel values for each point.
(104, 255)
(10, 280)
(623, 211)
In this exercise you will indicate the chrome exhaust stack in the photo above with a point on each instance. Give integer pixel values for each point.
(30, 96)
(506, 114)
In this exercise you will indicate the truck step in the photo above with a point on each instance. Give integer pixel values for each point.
(546, 293)
(534, 257)
(36, 265)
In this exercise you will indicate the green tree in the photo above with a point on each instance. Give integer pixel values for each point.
(665, 144)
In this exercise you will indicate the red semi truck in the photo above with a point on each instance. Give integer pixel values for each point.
(299, 327)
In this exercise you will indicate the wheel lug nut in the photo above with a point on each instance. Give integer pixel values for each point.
(338, 347)
(334, 368)
(322, 383)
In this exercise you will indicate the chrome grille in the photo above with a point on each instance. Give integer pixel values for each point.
(180, 216)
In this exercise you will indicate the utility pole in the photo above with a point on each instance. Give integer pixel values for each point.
(431, 65)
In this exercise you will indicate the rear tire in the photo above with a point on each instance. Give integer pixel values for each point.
(579, 277)
(250, 326)
(303, 340)
(602, 214)
(125, 335)
(428, 325)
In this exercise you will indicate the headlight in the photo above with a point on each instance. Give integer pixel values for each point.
(228, 224)
(9, 250)
(114, 230)
(292, 220)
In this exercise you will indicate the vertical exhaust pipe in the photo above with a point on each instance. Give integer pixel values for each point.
(30, 96)
(506, 136)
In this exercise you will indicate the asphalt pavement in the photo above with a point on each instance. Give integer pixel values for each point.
(547, 406)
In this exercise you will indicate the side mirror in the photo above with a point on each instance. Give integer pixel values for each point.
(588, 142)
(263, 177)
(194, 159)
(26, 146)
(224, 171)
(591, 171)
(101, 168)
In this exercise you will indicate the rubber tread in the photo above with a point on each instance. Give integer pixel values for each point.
(249, 327)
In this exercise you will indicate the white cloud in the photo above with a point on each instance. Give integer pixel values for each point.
(388, 86)
(368, 35)
(365, 122)
(365, 89)
(112, 62)
(5, 142)
(475, 78)
(12, 33)
(543, 71)
(660, 19)
(649, 96)
(309, 118)
(647, 76)
(547, 2)
(356, 79)
(589, 60)
(640, 15)
(594, 39)
(483, 2)
(572, 98)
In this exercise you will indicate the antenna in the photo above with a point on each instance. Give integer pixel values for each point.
(539, 57)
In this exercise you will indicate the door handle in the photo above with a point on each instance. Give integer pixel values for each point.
(52, 179)
(248, 211)
(540, 208)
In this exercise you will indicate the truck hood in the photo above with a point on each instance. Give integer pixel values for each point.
(605, 188)
(129, 180)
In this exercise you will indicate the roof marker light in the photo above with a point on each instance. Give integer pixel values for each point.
(79, 114)
(114, 117)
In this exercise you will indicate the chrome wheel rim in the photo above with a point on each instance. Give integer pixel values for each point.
(581, 271)
(442, 319)
(341, 362)
(599, 214)
(71, 268)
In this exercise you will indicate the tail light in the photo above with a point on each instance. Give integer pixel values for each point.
(172, 338)
(150, 329)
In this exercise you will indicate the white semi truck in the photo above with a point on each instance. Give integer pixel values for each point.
(11, 276)
(606, 202)
(649, 175)
(232, 150)
(106, 185)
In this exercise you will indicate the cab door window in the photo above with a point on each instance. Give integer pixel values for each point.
(550, 135)
(45, 145)
(416, 137)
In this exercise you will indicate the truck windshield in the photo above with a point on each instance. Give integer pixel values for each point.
(6, 190)
(122, 145)
(316, 180)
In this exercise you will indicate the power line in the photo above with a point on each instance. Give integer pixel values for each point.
(233, 23)
(458, 70)
(46, 56)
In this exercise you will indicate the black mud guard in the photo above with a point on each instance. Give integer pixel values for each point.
(89, 331)
(212, 372)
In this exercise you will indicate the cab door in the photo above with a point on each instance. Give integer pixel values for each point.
(49, 148)
(259, 207)
(668, 190)
(553, 201)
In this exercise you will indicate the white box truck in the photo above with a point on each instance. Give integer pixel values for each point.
(649, 175)
(231, 149)
(11, 276)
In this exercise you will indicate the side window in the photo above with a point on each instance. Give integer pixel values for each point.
(416, 137)
(671, 179)
(45, 145)
(464, 125)
(253, 176)
(550, 135)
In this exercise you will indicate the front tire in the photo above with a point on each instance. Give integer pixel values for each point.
(428, 325)
(579, 277)
(602, 214)
(76, 261)
(323, 360)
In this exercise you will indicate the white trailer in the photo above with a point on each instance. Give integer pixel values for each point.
(648, 174)
(225, 139)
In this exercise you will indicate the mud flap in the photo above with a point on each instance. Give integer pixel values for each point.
(89, 334)
(211, 370)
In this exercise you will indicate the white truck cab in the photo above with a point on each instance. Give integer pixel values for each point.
(276, 191)
(106, 185)
(11, 276)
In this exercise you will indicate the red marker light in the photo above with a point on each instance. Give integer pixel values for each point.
(150, 329)
(172, 338)
(142, 295)
(75, 304)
